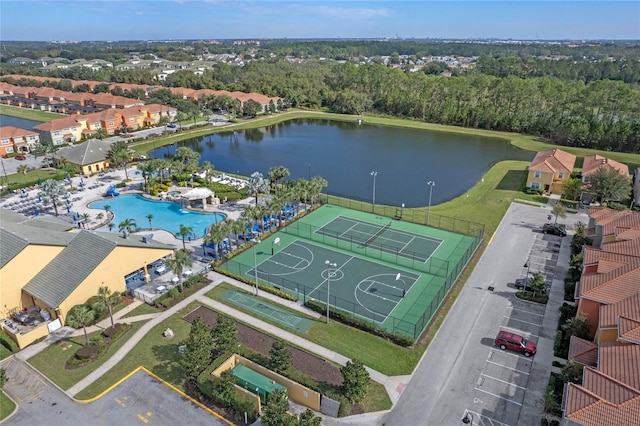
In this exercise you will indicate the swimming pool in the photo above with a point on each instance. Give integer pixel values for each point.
(167, 215)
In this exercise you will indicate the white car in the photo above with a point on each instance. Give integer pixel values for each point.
(161, 269)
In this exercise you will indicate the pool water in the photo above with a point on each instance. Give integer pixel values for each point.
(167, 215)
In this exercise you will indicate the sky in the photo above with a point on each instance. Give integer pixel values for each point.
(67, 20)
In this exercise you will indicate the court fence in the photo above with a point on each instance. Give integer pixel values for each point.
(411, 324)
(460, 226)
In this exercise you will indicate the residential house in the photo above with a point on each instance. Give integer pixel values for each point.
(549, 170)
(607, 225)
(13, 139)
(89, 157)
(46, 268)
(155, 112)
(593, 163)
(61, 131)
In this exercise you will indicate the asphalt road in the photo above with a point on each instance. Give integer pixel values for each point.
(462, 370)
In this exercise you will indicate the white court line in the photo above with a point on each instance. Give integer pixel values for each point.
(499, 397)
(525, 322)
(503, 381)
(507, 367)
(324, 281)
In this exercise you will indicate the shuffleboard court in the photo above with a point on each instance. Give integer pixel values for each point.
(368, 289)
(383, 238)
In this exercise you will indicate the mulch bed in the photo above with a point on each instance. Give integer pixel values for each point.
(316, 368)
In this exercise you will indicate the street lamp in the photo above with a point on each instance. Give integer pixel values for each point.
(431, 184)
(255, 263)
(329, 266)
(309, 172)
(374, 174)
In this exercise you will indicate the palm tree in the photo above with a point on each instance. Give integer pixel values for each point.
(184, 232)
(85, 216)
(111, 225)
(276, 174)
(215, 236)
(207, 167)
(107, 209)
(120, 154)
(99, 216)
(238, 227)
(149, 217)
(81, 316)
(127, 225)
(23, 168)
(317, 184)
(52, 191)
(108, 298)
(257, 184)
(178, 264)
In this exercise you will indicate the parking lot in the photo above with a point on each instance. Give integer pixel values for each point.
(501, 385)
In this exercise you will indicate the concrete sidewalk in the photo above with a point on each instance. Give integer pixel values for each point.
(393, 385)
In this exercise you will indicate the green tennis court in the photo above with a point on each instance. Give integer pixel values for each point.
(392, 272)
(368, 289)
(384, 238)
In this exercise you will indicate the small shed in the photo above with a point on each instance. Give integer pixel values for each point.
(256, 382)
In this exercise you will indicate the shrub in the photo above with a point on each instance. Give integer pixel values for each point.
(360, 323)
(87, 352)
(112, 331)
(551, 403)
(96, 340)
(8, 342)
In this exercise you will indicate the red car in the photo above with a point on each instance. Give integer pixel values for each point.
(21, 157)
(515, 342)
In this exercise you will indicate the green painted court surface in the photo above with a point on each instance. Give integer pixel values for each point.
(391, 272)
(267, 310)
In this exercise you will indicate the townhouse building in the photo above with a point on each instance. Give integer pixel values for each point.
(15, 140)
(549, 170)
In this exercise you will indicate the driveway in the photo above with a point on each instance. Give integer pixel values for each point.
(462, 371)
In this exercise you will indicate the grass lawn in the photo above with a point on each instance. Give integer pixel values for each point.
(50, 361)
(142, 310)
(19, 180)
(29, 114)
(6, 406)
(155, 352)
(345, 340)
(4, 352)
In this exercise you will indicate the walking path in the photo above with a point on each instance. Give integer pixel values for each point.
(393, 385)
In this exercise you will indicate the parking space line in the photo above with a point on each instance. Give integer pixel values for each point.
(527, 312)
(518, 331)
(503, 381)
(500, 351)
(519, 320)
(499, 397)
(509, 368)
(482, 416)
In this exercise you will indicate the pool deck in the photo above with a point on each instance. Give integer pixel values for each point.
(95, 188)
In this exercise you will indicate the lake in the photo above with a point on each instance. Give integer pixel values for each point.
(20, 123)
(345, 154)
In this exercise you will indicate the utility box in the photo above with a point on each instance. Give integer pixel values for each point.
(256, 382)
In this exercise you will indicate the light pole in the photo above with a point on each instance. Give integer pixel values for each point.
(255, 263)
(329, 266)
(431, 184)
(309, 172)
(374, 174)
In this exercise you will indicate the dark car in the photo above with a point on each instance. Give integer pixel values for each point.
(21, 157)
(171, 126)
(515, 342)
(550, 228)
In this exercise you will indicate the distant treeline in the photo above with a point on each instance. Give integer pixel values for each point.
(590, 103)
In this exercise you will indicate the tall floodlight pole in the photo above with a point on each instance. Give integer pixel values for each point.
(329, 265)
(431, 185)
(373, 206)
(255, 263)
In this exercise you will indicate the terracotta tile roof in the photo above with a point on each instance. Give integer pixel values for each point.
(594, 162)
(615, 222)
(611, 287)
(157, 108)
(589, 410)
(628, 308)
(58, 124)
(629, 330)
(583, 351)
(15, 132)
(621, 362)
(553, 161)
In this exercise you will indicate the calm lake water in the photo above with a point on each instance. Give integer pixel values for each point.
(20, 123)
(346, 153)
